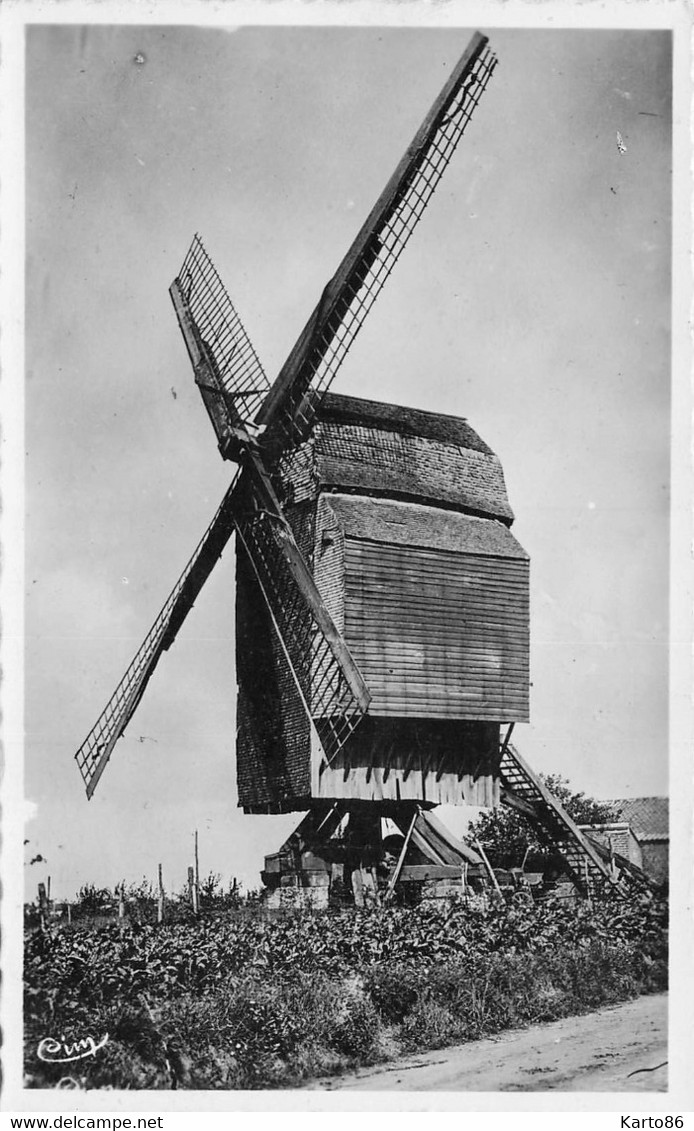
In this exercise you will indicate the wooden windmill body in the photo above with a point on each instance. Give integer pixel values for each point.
(404, 518)
(382, 601)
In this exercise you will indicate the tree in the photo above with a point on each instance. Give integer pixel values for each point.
(92, 899)
(211, 889)
(509, 838)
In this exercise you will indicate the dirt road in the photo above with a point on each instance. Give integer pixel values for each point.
(604, 1051)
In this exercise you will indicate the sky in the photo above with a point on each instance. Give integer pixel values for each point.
(534, 300)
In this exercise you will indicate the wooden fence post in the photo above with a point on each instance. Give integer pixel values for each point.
(196, 889)
(42, 907)
(160, 899)
(191, 890)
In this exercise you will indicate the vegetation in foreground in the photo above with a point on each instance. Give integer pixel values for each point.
(249, 1002)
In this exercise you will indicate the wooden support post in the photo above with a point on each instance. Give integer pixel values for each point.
(401, 859)
(160, 899)
(121, 904)
(488, 866)
(463, 878)
(48, 897)
(68, 908)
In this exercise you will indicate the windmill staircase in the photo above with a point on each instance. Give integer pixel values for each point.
(591, 866)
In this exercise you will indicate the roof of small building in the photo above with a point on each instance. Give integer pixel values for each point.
(647, 816)
(336, 408)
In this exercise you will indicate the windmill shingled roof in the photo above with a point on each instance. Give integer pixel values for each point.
(413, 524)
(648, 816)
(396, 418)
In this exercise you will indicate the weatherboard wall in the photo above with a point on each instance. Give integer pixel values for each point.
(436, 609)
(437, 762)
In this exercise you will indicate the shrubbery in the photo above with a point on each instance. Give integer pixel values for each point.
(244, 1002)
(511, 840)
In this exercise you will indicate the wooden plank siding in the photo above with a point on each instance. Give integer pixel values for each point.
(441, 762)
(438, 634)
(383, 786)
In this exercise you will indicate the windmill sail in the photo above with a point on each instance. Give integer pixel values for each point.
(97, 747)
(231, 379)
(289, 409)
(330, 684)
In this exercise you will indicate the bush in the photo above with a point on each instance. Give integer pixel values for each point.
(357, 1029)
(430, 1025)
(394, 990)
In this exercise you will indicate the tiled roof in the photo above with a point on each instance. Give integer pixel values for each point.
(396, 418)
(648, 816)
(385, 449)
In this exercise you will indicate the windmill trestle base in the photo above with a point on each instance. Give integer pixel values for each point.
(338, 856)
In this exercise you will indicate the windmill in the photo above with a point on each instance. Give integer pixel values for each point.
(382, 601)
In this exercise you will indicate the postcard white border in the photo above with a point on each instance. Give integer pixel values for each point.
(667, 14)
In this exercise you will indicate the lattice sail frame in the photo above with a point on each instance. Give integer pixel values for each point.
(327, 697)
(219, 327)
(94, 753)
(336, 330)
